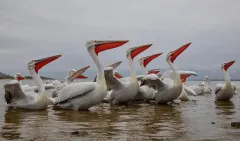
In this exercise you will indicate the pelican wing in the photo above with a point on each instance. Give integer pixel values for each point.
(153, 81)
(47, 87)
(111, 81)
(218, 88)
(13, 90)
(234, 86)
(74, 90)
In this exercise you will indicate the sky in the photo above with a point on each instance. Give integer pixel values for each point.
(36, 29)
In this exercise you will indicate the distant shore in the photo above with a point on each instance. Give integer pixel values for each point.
(26, 77)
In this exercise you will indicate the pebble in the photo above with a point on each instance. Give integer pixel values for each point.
(77, 133)
(235, 124)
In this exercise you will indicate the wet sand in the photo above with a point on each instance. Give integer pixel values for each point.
(201, 119)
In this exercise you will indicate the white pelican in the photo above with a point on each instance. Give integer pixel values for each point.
(123, 92)
(183, 75)
(113, 66)
(202, 88)
(70, 77)
(168, 89)
(27, 88)
(224, 92)
(17, 98)
(183, 96)
(205, 84)
(145, 92)
(84, 95)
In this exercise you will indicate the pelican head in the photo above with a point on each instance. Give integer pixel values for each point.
(134, 51)
(38, 64)
(171, 56)
(96, 47)
(225, 66)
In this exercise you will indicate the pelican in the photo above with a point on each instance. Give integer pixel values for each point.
(27, 88)
(183, 96)
(168, 89)
(123, 92)
(113, 66)
(202, 88)
(145, 92)
(70, 77)
(205, 85)
(15, 96)
(183, 76)
(224, 92)
(83, 95)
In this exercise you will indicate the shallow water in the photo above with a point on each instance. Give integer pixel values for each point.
(199, 119)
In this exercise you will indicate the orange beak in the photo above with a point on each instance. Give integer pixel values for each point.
(82, 77)
(117, 75)
(184, 77)
(138, 50)
(227, 65)
(19, 77)
(106, 45)
(78, 74)
(42, 62)
(150, 58)
(179, 51)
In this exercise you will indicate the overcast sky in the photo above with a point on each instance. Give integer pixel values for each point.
(36, 29)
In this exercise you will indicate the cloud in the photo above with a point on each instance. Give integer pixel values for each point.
(35, 29)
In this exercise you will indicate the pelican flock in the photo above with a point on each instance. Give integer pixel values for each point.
(110, 85)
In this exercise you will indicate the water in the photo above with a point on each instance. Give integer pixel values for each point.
(201, 119)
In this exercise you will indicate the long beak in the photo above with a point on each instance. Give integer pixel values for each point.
(177, 52)
(118, 75)
(115, 65)
(42, 62)
(185, 74)
(78, 73)
(182, 72)
(184, 77)
(139, 49)
(227, 65)
(106, 45)
(148, 59)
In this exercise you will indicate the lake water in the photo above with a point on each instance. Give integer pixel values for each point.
(201, 119)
